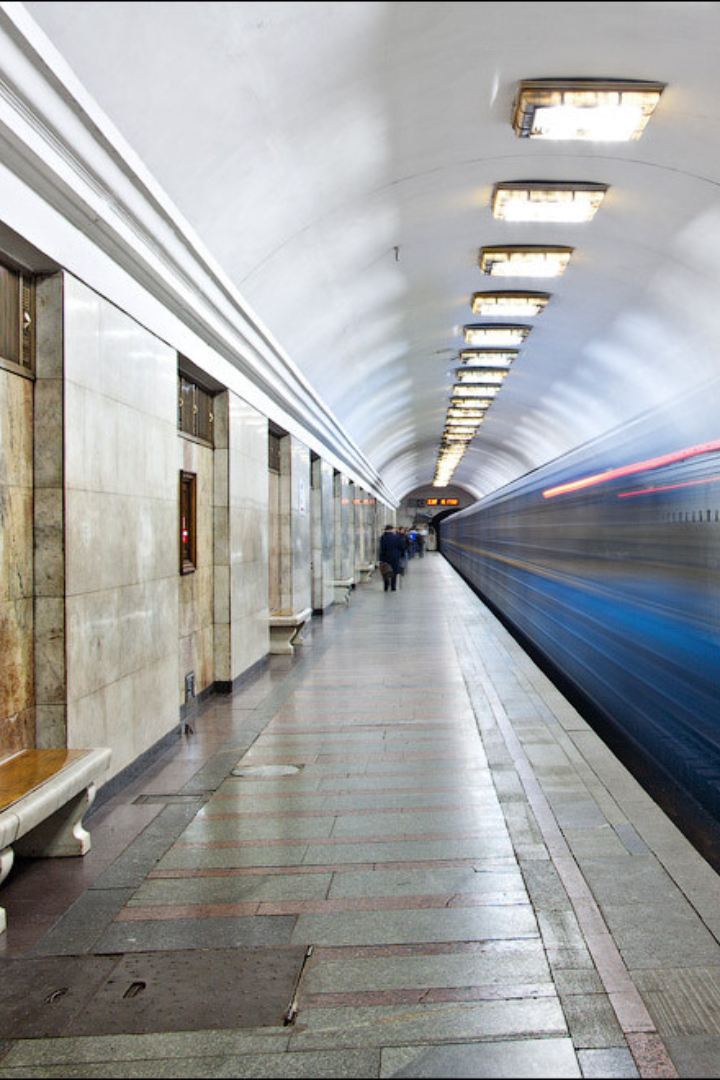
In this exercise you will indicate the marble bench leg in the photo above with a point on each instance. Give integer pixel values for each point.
(283, 639)
(61, 834)
(6, 860)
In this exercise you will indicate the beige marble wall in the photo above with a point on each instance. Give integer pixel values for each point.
(363, 537)
(323, 535)
(196, 589)
(248, 543)
(121, 529)
(295, 503)
(344, 539)
(17, 713)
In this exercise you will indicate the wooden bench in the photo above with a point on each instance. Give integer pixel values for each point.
(43, 797)
(286, 630)
(342, 590)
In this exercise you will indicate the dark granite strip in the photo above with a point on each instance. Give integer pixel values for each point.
(243, 932)
(84, 923)
(136, 862)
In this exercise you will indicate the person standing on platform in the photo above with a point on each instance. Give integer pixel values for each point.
(390, 553)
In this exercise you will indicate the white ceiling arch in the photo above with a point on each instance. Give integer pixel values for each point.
(337, 159)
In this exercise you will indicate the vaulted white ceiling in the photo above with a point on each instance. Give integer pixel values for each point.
(338, 160)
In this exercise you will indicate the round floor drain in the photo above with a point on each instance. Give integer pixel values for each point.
(260, 771)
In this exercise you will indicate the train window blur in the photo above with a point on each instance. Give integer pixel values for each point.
(613, 580)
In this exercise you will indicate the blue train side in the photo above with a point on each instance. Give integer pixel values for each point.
(607, 562)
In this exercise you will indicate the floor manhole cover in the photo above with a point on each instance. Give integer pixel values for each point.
(262, 771)
(193, 990)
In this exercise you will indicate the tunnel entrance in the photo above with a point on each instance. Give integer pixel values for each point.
(436, 524)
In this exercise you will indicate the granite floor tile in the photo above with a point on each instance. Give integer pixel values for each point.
(103, 1049)
(453, 924)
(244, 932)
(483, 847)
(198, 858)
(592, 1022)
(232, 889)
(399, 823)
(495, 963)
(86, 921)
(651, 936)
(207, 830)
(536, 1058)
(313, 1065)
(608, 1064)
(416, 882)
(392, 1026)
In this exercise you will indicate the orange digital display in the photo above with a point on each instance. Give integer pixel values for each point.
(443, 502)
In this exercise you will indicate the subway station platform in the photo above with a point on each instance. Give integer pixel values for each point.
(399, 852)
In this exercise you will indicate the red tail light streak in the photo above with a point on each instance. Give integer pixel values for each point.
(630, 470)
(669, 487)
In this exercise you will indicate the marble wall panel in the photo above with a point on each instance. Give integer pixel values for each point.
(121, 513)
(248, 638)
(323, 535)
(17, 694)
(344, 540)
(275, 542)
(328, 534)
(300, 523)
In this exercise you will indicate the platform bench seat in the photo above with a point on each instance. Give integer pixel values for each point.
(286, 630)
(43, 797)
(342, 590)
(365, 573)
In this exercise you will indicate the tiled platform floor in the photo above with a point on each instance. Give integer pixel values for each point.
(462, 879)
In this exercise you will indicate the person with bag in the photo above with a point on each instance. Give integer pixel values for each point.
(390, 557)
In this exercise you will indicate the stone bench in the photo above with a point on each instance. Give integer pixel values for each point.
(365, 573)
(43, 797)
(286, 630)
(342, 590)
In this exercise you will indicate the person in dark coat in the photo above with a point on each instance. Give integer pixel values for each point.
(391, 553)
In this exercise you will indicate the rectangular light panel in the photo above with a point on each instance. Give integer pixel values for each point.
(492, 357)
(495, 335)
(480, 392)
(509, 305)
(527, 261)
(489, 376)
(554, 202)
(601, 110)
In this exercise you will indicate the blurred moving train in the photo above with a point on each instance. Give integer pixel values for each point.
(607, 563)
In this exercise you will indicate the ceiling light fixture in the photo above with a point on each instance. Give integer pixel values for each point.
(493, 357)
(530, 260)
(602, 110)
(465, 415)
(463, 390)
(509, 305)
(487, 334)
(490, 376)
(547, 201)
